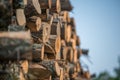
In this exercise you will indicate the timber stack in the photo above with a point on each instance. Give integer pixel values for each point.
(38, 41)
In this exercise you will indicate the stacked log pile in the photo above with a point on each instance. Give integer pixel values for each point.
(45, 31)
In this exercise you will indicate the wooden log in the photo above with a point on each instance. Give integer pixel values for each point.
(63, 43)
(53, 66)
(75, 56)
(42, 35)
(44, 15)
(68, 33)
(45, 4)
(64, 53)
(15, 45)
(55, 45)
(55, 6)
(61, 74)
(16, 35)
(70, 54)
(24, 64)
(66, 5)
(38, 72)
(55, 29)
(5, 15)
(34, 24)
(72, 43)
(77, 41)
(78, 67)
(65, 17)
(79, 52)
(20, 16)
(38, 52)
(72, 23)
(74, 36)
(33, 8)
(63, 31)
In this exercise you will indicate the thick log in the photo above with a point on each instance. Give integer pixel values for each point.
(53, 66)
(55, 29)
(45, 4)
(33, 8)
(55, 45)
(34, 24)
(68, 33)
(77, 41)
(15, 45)
(55, 6)
(38, 72)
(38, 52)
(43, 34)
(66, 5)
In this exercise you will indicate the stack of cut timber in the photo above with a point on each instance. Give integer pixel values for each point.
(45, 29)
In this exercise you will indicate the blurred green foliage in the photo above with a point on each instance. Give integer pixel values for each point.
(106, 76)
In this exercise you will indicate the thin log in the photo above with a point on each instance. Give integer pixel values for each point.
(55, 45)
(38, 52)
(55, 6)
(34, 24)
(45, 4)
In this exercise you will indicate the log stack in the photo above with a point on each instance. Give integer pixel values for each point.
(52, 40)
